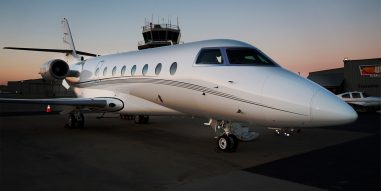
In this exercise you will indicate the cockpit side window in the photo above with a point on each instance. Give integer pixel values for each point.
(247, 56)
(346, 96)
(210, 56)
(356, 95)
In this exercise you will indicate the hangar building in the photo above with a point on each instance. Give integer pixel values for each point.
(356, 75)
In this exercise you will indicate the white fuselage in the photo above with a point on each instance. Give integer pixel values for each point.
(266, 95)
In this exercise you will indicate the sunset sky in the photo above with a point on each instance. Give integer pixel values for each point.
(301, 35)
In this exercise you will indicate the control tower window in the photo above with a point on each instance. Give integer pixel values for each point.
(247, 56)
(210, 56)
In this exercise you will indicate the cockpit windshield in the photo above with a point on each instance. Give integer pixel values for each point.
(247, 56)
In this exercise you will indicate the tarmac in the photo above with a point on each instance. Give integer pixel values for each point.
(178, 153)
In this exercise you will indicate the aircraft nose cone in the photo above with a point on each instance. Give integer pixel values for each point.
(327, 109)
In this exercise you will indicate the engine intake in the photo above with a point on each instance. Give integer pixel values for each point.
(54, 70)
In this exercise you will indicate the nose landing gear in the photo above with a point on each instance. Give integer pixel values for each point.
(227, 143)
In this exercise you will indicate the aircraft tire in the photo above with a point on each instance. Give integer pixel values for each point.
(80, 121)
(227, 143)
(234, 142)
(75, 122)
(139, 119)
(71, 121)
(145, 119)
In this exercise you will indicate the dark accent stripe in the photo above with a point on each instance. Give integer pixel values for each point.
(179, 84)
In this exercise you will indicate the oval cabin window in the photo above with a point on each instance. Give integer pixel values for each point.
(105, 71)
(158, 69)
(173, 68)
(123, 71)
(133, 70)
(145, 70)
(114, 71)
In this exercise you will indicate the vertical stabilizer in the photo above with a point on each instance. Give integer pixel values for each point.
(68, 38)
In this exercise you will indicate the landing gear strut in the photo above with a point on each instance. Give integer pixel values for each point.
(75, 120)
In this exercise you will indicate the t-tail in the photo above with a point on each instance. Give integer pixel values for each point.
(58, 69)
(67, 38)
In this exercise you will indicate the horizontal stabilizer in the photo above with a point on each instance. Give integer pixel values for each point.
(52, 50)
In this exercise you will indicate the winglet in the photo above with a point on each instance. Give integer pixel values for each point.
(67, 37)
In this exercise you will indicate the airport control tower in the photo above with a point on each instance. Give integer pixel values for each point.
(157, 35)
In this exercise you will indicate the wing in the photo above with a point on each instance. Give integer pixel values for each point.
(99, 103)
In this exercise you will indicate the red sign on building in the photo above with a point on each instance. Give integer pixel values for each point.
(370, 70)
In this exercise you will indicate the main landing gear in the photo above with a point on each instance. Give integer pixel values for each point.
(76, 120)
(139, 119)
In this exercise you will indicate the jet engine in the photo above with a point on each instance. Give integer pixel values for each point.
(54, 70)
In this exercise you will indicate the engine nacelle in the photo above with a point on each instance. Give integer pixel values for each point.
(54, 70)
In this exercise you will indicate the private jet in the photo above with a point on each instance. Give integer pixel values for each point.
(226, 81)
(361, 101)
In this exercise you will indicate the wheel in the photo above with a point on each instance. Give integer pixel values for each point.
(227, 143)
(71, 121)
(80, 120)
(145, 119)
(139, 119)
(76, 120)
(235, 142)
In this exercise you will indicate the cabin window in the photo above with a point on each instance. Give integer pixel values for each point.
(210, 56)
(145, 69)
(158, 69)
(114, 71)
(364, 95)
(133, 70)
(105, 71)
(346, 96)
(123, 71)
(97, 72)
(247, 56)
(173, 68)
(356, 95)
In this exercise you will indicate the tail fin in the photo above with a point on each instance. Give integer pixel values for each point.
(67, 37)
